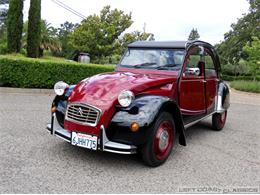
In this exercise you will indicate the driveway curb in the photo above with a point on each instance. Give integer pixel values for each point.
(27, 90)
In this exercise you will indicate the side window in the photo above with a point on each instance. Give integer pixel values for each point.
(193, 60)
(193, 66)
(210, 70)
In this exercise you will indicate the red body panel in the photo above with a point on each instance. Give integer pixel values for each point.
(211, 91)
(102, 91)
(192, 95)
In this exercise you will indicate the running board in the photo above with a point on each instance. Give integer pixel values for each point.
(196, 121)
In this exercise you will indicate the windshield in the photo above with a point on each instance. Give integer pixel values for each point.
(158, 59)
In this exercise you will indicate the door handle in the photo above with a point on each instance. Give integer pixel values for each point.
(203, 81)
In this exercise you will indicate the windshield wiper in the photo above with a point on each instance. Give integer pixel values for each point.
(144, 64)
(166, 66)
(162, 67)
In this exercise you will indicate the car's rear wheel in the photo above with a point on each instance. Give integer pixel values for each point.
(219, 120)
(159, 145)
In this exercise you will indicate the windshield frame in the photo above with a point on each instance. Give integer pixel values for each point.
(133, 67)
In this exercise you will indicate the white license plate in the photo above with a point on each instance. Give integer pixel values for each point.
(84, 140)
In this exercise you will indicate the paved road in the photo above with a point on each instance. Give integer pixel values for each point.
(32, 161)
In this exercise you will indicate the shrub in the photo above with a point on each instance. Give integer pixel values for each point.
(242, 68)
(40, 73)
(253, 52)
(113, 59)
(23, 51)
(228, 69)
(3, 48)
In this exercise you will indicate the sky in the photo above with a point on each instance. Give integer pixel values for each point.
(166, 19)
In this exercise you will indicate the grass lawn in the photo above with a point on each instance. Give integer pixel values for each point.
(249, 86)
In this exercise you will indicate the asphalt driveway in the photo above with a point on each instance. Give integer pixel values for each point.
(32, 161)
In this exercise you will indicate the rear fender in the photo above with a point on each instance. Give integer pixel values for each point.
(223, 98)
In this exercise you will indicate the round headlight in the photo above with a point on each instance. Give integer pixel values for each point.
(60, 87)
(125, 98)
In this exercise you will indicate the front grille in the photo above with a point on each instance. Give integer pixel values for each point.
(83, 114)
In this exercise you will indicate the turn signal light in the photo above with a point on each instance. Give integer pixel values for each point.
(53, 109)
(134, 127)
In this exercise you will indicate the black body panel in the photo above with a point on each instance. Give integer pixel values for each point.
(60, 102)
(143, 110)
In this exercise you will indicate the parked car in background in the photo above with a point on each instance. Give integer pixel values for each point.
(81, 57)
(157, 90)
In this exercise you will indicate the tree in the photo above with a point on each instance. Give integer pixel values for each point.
(34, 29)
(63, 34)
(49, 38)
(3, 29)
(254, 6)
(14, 25)
(132, 37)
(97, 34)
(241, 33)
(137, 36)
(194, 35)
(3, 11)
(231, 49)
(253, 52)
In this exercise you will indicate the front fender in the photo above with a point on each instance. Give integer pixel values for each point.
(144, 111)
(60, 102)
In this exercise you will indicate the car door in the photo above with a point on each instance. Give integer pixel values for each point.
(211, 81)
(192, 85)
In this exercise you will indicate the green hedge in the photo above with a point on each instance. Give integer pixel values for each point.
(38, 73)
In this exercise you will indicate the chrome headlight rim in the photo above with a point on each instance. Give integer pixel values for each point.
(60, 87)
(125, 98)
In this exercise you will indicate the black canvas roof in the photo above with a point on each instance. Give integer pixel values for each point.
(159, 44)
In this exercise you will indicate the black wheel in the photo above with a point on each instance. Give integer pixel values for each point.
(219, 120)
(159, 145)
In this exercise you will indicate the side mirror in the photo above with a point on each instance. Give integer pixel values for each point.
(192, 71)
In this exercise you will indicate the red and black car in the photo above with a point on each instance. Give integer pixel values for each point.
(157, 90)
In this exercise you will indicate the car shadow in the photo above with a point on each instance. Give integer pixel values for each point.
(99, 158)
(201, 129)
(200, 126)
(107, 159)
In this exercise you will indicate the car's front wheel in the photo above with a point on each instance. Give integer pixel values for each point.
(219, 120)
(159, 145)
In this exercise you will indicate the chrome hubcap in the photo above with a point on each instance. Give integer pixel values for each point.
(164, 140)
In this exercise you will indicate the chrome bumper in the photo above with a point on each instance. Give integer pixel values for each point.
(103, 142)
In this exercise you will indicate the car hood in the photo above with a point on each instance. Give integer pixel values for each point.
(104, 89)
